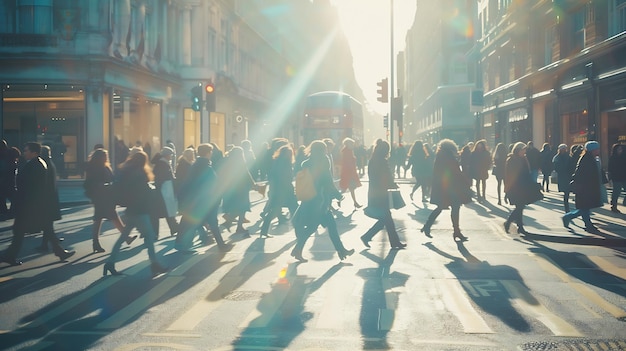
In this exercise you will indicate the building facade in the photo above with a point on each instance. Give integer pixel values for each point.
(77, 73)
(439, 72)
(553, 71)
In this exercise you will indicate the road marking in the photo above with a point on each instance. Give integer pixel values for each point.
(550, 266)
(119, 318)
(270, 303)
(172, 335)
(481, 287)
(522, 297)
(73, 302)
(455, 343)
(5, 279)
(608, 267)
(331, 315)
(154, 345)
(190, 319)
(456, 301)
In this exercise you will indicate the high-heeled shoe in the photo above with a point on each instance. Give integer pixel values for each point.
(398, 246)
(157, 269)
(130, 239)
(345, 253)
(458, 235)
(298, 255)
(97, 248)
(426, 231)
(110, 268)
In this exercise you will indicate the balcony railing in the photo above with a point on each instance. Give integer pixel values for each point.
(37, 40)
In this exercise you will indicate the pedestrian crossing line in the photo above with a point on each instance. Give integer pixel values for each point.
(187, 265)
(453, 343)
(118, 319)
(5, 279)
(218, 287)
(550, 266)
(172, 335)
(456, 301)
(386, 316)
(73, 302)
(608, 267)
(522, 297)
(334, 303)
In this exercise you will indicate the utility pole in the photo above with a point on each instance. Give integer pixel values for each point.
(392, 118)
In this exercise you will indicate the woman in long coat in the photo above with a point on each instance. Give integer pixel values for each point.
(316, 211)
(480, 164)
(586, 184)
(349, 179)
(418, 162)
(450, 187)
(98, 180)
(520, 186)
(499, 162)
(282, 193)
(546, 166)
(380, 176)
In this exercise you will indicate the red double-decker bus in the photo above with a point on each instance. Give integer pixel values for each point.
(332, 114)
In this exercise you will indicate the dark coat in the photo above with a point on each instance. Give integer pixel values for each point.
(316, 211)
(198, 195)
(533, 155)
(450, 186)
(586, 183)
(546, 162)
(31, 198)
(380, 181)
(499, 164)
(421, 167)
(236, 182)
(564, 166)
(53, 204)
(280, 179)
(140, 197)
(617, 167)
(480, 164)
(520, 188)
(97, 184)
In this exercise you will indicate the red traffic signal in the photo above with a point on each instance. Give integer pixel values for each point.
(209, 88)
(383, 91)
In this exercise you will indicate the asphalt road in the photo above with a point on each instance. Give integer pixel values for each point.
(553, 289)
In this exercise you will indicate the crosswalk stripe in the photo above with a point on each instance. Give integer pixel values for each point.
(190, 319)
(4, 279)
(271, 303)
(550, 266)
(140, 304)
(608, 267)
(524, 299)
(330, 316)
(456, 301)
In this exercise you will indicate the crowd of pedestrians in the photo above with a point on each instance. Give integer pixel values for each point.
(205, 181)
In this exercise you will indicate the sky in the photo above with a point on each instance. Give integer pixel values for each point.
(366, 24)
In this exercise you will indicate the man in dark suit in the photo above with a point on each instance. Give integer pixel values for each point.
(198, 203)
(34, 205)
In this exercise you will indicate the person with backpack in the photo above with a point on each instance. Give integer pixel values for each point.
(316, 211)
(98, 180)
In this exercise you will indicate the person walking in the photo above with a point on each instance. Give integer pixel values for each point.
(316, 211)
(199, 203)
(183, 164)
(236, 183)
(450, 188)
(34, 195)
(98, 184)
(617, 174)
(533, 155)
(499, 162)
(418, 162)
(133, 179)
(380, 176)
(546, 166)
(564, 166)
(520, 186)
(349, 179)
(167, 204)
(282, 193)
(480, 165)
(587, 184)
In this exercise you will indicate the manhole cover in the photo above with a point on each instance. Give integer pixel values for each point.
(244, 295)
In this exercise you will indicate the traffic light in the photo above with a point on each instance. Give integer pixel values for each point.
(209, 88)
(383, 91)
(196, 97)
(386, 121)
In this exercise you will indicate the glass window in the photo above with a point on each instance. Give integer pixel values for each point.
(617, 17)
(35, 17)
(136, 122)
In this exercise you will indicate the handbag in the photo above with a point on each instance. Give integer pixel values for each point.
(395, 199)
